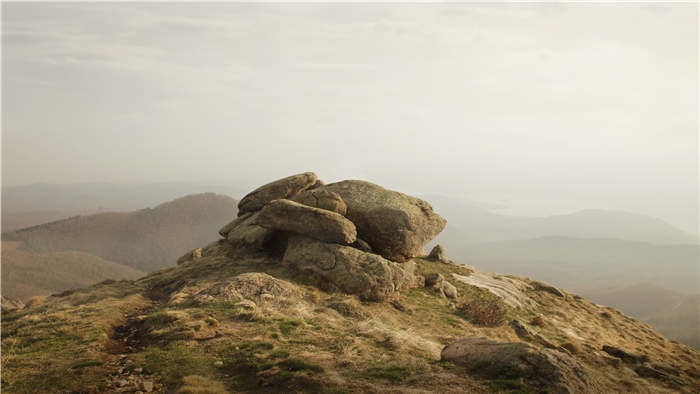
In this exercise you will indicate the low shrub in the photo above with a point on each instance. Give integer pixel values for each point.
(482, 312)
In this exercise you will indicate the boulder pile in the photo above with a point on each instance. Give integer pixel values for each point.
(351, 236)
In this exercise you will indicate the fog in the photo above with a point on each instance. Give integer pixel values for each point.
(537, 108)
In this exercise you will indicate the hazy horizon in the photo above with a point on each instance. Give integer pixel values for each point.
(536, 108)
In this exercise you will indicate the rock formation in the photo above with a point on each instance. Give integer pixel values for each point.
(351, 235)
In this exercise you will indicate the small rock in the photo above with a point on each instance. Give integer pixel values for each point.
(122, 382)
(438, 254)
(138, 370)
(218, 363)
(434, 280)
(541, 286)
(147, 386)
(449, 289)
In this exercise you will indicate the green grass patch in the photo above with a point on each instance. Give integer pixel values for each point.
(287, 326)
(85, 364)
(297, 364)
(395, 373)
(510, 386)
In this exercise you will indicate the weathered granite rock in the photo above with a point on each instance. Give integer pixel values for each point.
(449, 290)
(396, 226)
(347, 269)
(438, 283)
(249, 234)
(548, 369)
(233, 224)
(282, 188)
(362, 245)
(438, 254)
(323, 199)
(320, 224)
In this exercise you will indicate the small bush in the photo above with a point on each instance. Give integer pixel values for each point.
(537, 321)
(488, 313)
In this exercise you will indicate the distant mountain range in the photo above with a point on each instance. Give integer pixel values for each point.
(143, 241)
(471, 224)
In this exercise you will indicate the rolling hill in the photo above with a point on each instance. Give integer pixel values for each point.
(26, 274)
(144, 240)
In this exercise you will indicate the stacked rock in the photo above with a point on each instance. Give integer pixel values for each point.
(352, 235)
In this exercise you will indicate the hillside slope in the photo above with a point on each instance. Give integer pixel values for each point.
(26, 274)
(288, 335)
(274, 309)
(145, 240)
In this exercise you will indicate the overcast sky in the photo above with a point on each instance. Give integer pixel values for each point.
(542, 108)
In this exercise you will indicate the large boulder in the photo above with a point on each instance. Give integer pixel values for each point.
(282, 188)
(395, 225)
(547, 369)
(320, 224)
(248, 234)
(323, 199)
(347, 269)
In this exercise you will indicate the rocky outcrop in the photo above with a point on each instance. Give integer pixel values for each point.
(320, 224)
(438, 254)
(347, 269)
(315, 228)
(395, 225)
(546, 369)
(282, 188)
(323, 199)
(247, 233)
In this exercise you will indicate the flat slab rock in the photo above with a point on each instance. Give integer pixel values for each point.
(320, 224)
(282, 188)
(396, 226)
(246, 233)
(323, 199)
(512, 291)
(347, 269)
(547, 369)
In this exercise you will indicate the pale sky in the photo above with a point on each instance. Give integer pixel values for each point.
(546, 108)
